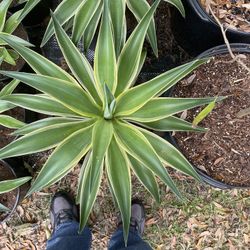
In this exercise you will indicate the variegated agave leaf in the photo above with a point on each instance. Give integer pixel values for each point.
(9, 185)
(84, 17)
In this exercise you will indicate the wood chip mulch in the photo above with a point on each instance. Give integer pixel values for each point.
(211, 219)
(234, 14)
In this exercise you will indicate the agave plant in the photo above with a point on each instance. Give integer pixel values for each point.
(9, 25)
(9, 185)
(83, 18)
(99, 113)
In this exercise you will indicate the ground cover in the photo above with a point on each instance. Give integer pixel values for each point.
(210, 219)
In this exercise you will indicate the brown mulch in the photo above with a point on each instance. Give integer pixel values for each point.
(29, 227)
(170, 54)
(224, 151)
(234, 14)
(211, 219)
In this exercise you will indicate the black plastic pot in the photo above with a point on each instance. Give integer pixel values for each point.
(199, 31)
(18, 191)
(36, 21)
(222, 49)
(218, 50)
(52, 51)
(206, 178)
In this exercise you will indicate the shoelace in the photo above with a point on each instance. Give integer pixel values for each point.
(135, 225)
(64, 215)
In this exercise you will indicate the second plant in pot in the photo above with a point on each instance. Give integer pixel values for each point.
(82, 17)
(95, 113)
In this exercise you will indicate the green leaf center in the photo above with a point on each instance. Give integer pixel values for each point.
(110, 103)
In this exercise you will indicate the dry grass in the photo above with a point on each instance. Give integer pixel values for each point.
(210, 219)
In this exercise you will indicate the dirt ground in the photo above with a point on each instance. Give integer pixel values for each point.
(210, 219)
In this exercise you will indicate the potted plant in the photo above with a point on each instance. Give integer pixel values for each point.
(81, 20)
(11, 24)
(99, 114)
(199, 30)
(222, 154)
(86, 16)
(9, 190)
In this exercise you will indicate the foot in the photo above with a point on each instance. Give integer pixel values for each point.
(62, 209)
(137, 220)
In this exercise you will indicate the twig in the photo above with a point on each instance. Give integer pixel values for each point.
(234, 57)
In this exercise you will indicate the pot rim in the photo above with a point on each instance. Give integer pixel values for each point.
(17, 189)
(205, 177)
(203, 14)
(222, 49)
(217, 50)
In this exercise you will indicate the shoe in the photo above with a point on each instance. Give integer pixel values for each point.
(62, 209)
(137, 220)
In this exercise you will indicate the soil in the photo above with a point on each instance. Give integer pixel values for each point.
(234, 14)
(36, 161)
(224, 151)
(170, 54)
(20, 32)
(5, 133)
(166, 43)
(8, 199)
